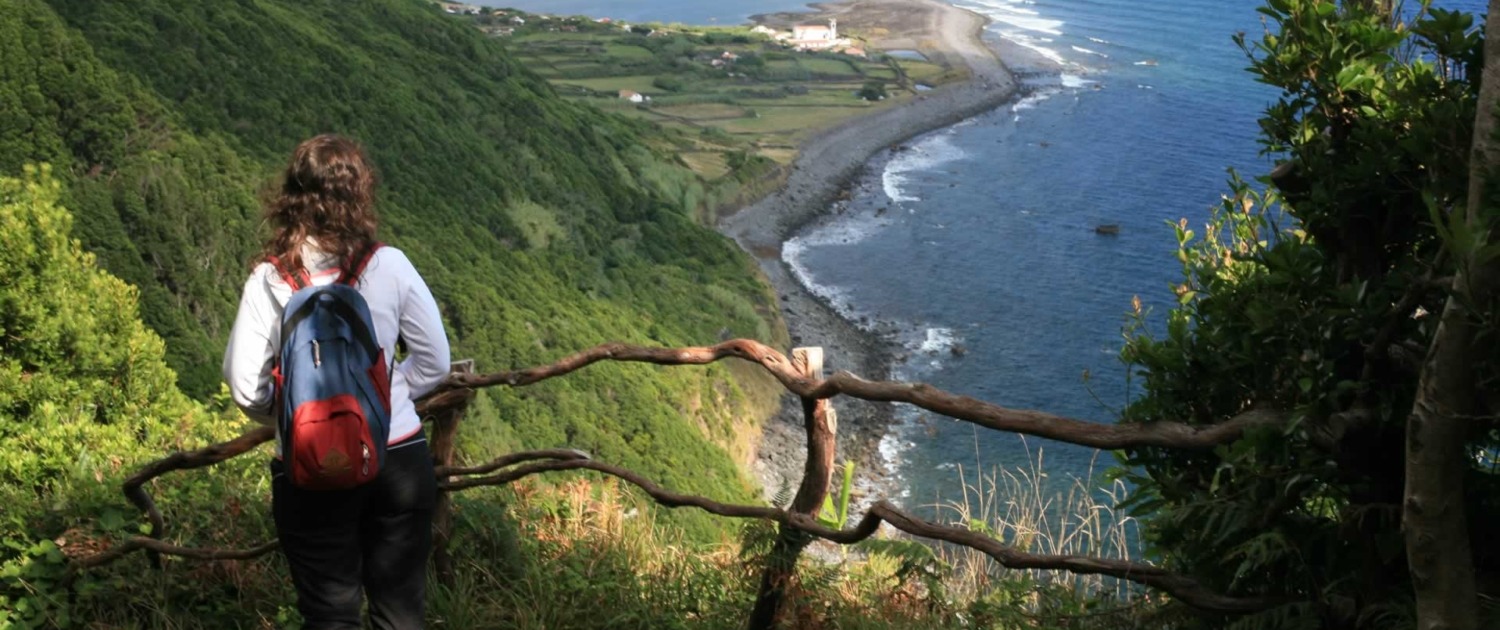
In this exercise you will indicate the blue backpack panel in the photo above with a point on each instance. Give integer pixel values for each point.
(332, 384)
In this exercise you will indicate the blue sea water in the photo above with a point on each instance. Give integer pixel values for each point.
(981, 238)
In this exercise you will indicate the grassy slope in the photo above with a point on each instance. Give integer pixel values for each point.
(169, 116)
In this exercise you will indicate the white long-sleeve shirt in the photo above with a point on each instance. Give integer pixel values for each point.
(400, 305)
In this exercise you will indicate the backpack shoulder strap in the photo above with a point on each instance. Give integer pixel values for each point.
(297, 281)
(360, 262)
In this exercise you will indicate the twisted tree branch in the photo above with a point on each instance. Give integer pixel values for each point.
(512, 459)
(1092, 434)
(1184, 588)
(154, 546)
(458, 391)
(184, 460)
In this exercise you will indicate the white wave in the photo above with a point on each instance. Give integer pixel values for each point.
(1145, 87)
(1010, 14)
(1096, 40)
(1074, 81)
(1146, 62)
(1030, 100)
(926, 154)
(937, 340)
(843, 232)
(890, 446)
(1035, 44)
(1090, 52)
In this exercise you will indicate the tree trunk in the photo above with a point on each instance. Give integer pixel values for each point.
(821, 425)
(444, 445)
(1433, 515)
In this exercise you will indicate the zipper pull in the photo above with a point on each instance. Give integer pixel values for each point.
(317, 355)
(366, 449)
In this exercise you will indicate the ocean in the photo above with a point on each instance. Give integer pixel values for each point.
(975, 246)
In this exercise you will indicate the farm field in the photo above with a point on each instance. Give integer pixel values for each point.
(745, 90)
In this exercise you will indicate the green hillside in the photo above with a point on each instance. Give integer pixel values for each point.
(543, 227)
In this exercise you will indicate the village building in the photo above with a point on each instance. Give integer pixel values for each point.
(633, 96)
(856, 52)
(764, 30)
(460, 9)
(816, 36)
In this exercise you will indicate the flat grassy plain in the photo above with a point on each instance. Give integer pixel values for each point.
(745, 90)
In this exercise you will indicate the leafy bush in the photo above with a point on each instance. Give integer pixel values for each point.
(85, 397)
(1286, 312)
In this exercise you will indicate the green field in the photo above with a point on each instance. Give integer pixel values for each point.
(922, 70)
(705, 111)
(640, 83)
(829, 66)
(626, 51)
(767, 99)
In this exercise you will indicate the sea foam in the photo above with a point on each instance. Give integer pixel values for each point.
(1074, 81)
(844, 232)
(1011, 14)
(937, 340)
(925, 155)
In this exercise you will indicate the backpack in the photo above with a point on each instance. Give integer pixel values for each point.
(332, 384)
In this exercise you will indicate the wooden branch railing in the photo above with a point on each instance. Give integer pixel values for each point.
(820, 422)
(802, 377)
(1176, 435)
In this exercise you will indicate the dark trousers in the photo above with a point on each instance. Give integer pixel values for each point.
(372, 540)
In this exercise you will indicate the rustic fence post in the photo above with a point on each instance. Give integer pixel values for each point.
(821, 424)
(444, 443)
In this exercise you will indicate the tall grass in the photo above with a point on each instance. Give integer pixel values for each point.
(588, 553)
(1024, 508)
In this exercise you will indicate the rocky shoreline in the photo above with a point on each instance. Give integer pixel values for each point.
(825, 168)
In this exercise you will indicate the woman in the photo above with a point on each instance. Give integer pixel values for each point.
(374, 537)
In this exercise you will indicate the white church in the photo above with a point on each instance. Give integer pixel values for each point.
(815, 36)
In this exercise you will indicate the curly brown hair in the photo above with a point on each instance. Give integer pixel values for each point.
(327, 194)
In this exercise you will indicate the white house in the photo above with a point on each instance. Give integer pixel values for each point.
(764, 30)
(815, 36)
(632, 96)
